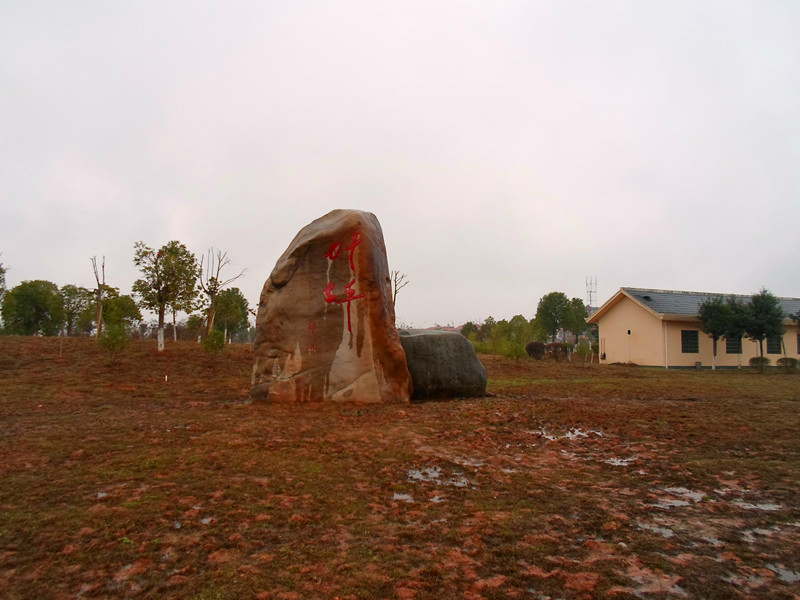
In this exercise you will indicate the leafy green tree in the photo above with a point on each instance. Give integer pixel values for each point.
(76, 301)
(515, 334)
(232, 311)
(117, 309)
(92, 313)
(194, 323)
(766, 318)
(486, 328)
(552, 313)
(715, 319)
(519, 329)
(186, 300)
(33, 307)
(167, 274)
(737, 322)
(469, 328)
(122, 311)
(575, 318)
(499, 342)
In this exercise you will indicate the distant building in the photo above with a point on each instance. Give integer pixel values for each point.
(661, 328)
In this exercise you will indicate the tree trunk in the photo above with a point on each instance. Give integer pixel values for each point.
(211, 311)
(174, 328)
(714, 358)
(161, 310)
(99, 311)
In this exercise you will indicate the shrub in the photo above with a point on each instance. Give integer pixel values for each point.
(114, 339)
(557, 350)
(535, 350)
(511, 349)
(759, 362)
(584, 350)
(214, 342)
(789, 364)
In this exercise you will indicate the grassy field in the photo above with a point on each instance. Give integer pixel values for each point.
(151, 476)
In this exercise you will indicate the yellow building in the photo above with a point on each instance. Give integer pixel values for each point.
(660, 328)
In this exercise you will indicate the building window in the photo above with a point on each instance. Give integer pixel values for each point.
(774, 344)
(733, 345)
(690, 341)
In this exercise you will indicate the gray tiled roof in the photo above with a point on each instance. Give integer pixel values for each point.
(688, 303)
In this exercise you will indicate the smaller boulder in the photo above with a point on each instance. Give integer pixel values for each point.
(443, 364)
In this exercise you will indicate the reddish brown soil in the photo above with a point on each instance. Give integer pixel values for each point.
(150, 476)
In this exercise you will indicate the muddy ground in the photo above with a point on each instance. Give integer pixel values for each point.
(150, 476)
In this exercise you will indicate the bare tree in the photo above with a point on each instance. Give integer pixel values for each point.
(211, 282)
(99, 292)
(398, 283)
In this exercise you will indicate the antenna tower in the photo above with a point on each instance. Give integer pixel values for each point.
(591, 290)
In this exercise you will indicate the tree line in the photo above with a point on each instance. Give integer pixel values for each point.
(732, 318)
(172, 280)
(555, 313)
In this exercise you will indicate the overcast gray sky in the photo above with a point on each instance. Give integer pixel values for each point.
(509, 149)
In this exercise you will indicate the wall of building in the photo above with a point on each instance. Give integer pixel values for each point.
(644, 345)
(750, 349)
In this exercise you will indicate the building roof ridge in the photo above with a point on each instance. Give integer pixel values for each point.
(691, 293)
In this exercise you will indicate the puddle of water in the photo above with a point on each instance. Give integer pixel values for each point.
(672, 503)
(570, 455)
(434, 474)
(572, 434)
(751, 582)
(402, 497)
(687, 493)
(425, 474)
(621, 462)
(783, 573)
(662, 531)
(712, 541)
(540, 596)
(763, 506)
(469, 462)
(437, 499)
(751, 535)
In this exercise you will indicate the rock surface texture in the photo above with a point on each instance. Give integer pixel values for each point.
(443, 364)
(325, 329)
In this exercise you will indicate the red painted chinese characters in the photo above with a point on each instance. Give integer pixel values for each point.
(349, 293)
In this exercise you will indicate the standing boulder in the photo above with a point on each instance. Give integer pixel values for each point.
(325, 329)
(443, 364)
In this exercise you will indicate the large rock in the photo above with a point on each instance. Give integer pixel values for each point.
(325, 329)
(443, 364)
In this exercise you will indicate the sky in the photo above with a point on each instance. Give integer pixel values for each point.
(508, 148)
